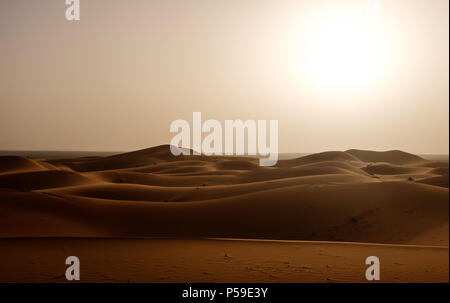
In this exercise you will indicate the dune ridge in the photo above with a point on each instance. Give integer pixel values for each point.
(354, 195)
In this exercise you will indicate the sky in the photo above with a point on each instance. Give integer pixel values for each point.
(336, 75)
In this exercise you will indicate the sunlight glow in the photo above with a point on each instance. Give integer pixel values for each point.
(344, 49)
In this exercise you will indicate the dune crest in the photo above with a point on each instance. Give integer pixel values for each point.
(392, 156)
(356, 195)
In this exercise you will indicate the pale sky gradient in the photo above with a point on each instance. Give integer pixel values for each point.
(116, 79)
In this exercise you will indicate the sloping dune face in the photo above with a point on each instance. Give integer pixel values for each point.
(9, 164)
(363, 196)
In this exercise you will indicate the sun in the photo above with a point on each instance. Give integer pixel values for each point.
(342, 50)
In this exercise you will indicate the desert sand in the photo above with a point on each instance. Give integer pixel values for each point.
(149, 216)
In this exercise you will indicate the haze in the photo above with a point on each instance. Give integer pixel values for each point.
(336, 74)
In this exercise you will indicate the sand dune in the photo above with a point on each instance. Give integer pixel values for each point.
(392, 156)
(389, 169)
(362, 212)
(10, 164)
(42, 179)
(319, 157)
(353, 196)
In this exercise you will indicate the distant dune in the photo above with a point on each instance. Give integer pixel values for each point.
(390, 197)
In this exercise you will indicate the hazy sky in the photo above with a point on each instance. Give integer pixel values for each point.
(336, 74)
